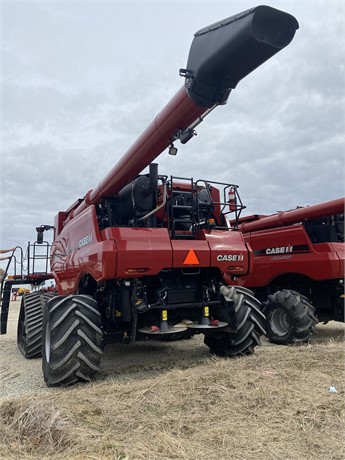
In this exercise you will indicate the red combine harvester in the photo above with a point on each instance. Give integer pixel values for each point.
(298, 268)
(143, 256)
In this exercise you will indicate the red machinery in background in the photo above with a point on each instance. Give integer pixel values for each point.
(298, 268)
(29, 269)
(143, 256)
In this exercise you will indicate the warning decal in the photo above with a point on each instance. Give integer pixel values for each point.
(191, 258)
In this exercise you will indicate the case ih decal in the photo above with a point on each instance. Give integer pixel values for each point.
(230, 258)
(290, 249)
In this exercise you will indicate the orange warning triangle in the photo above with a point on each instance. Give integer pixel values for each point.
(191, 258)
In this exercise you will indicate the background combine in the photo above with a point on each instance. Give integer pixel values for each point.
(143, 256)
(298, 268)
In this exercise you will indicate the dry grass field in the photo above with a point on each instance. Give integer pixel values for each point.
(161, 401)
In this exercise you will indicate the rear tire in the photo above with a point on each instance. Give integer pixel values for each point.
(290, 317)
(246, 323)
(29, 331)
(72, 340)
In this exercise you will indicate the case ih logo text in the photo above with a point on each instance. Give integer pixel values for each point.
(289, 249)
(86, 240)
(230, 257)
(279, 250)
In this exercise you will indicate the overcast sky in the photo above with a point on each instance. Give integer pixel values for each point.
(82, 80)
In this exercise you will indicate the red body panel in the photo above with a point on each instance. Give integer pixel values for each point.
(121, 253)
(281, 246)
(134, 248)
(199, 257)
(287, 250)
(236, 256)
(80, 249)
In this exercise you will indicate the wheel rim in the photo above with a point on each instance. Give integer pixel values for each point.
(279, 322)
(47, 343)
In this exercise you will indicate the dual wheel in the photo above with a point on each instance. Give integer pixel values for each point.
(71, 340)
(66, 332)
(29, 331)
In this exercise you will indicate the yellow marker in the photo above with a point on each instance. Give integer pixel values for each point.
(164, 315)
(206, 311)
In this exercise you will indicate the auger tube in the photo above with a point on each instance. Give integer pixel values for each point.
(220, 56)
(284, 218)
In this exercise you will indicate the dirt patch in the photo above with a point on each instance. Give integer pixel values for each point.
(175, 401)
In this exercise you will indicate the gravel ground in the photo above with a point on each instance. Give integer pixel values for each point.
(20, 376)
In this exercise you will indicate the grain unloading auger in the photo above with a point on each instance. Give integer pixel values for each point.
(220, 56)
(294, 216)
(143, 256)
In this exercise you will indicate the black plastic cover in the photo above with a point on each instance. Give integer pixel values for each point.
(225, 52)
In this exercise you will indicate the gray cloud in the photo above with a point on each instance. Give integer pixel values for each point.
(81, 81)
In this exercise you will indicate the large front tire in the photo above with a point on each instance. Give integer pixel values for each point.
(72, 340)
(29, 331)
(246, 323)
(290, 318)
